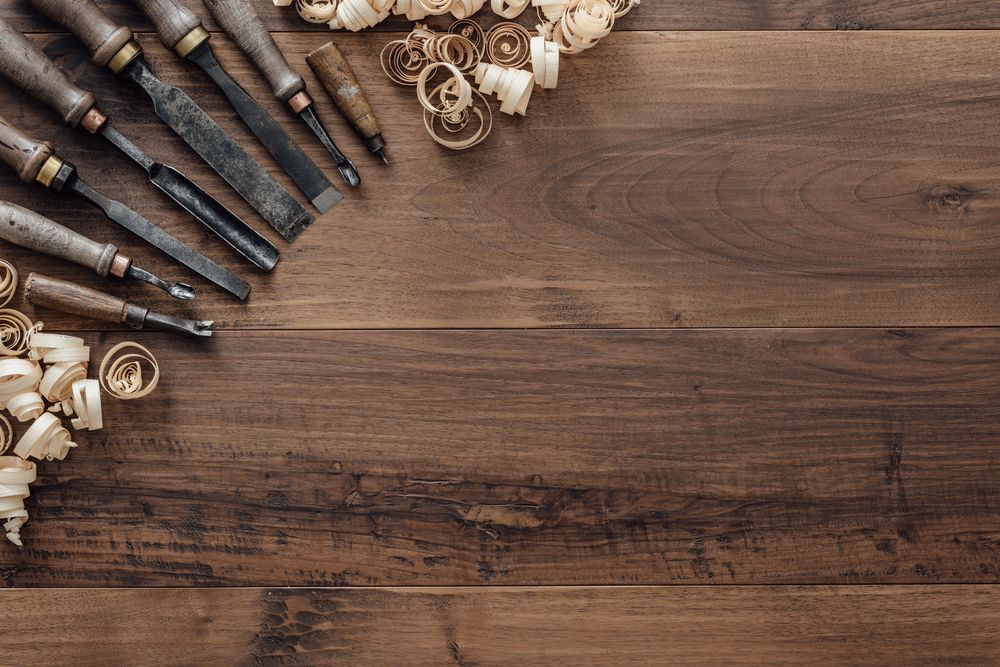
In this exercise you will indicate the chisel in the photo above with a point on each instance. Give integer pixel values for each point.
(182, 31)
(24, 64)
(36, 162)
(34, 231)
(67, 297)
(183, 116)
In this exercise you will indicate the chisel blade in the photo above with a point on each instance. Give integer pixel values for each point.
(222, 153)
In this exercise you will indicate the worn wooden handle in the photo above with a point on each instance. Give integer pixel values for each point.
(29, 69)
(28, 229)
(335, 73)
(86, 20)
(172, 20)
(239, 19)
(67, 297)
(22, 153)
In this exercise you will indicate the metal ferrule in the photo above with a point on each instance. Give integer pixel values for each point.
(135, 316)
(49, 169)
(191, 41)
(299, 101)
(93, 121)
(127, 54)
(119, 265)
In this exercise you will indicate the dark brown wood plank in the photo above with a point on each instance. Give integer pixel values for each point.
(650, 15)
(736, 190)
(433, 458)
(768, 625)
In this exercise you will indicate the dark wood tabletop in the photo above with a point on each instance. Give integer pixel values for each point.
(697, 362)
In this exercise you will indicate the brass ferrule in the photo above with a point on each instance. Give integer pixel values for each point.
(49, 169)
(299, 101)
(93, 121)
(191, 41)
(126, 55)
(119, 265)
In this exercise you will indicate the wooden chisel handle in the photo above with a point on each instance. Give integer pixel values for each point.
(240, 21)
(177, 26)
(35, 232)
(335, 73)
(24, 64)
(67, 297)
(86, 20)
(22, 153)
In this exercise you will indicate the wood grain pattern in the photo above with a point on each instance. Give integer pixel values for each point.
(52, 294)
(860, 625)
(102, 36)
(736, 191)
(442, 458)
(652, 15)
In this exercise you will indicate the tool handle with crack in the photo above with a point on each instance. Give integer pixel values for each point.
(31, 230)
(102, 36)
(21, 153)
(23, 64)
(67, 297)
(241, 22)
(176, 24)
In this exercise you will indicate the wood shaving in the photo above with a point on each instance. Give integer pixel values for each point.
(403, 62)
(508, 45)
(121, 375)
(8, 282)
(471, 30)
(86, 405)
(410, 9)
(26, 406)
(458, 122)
(583, 24)
(435, 7)
(45, 438)
(453, 96)
(550, 10)
(512, 87)
(623, 7)
(316, 11)
(15, 476)
(355, 15)
(57, 382)
(18, 376)
(6, 434)
(545, 62)
(461, 9)
(14, 331)
(509, 9)
(453, 49)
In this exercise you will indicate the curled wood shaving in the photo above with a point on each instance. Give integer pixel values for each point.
(18, 376)
(410, 9)
(453, 96)
(15, 328)
(6, 434)
(471, 30)
(316, 11)
(402, 61)
(583, 24)
(457, 122)
(39, 344)
(623, 7)
(435, 7)
(545, 62)
(122, 375)
(8, 282)
(15, 476)
(462, 9)
(355, 15)
(508, 45)
(26, 406)
(512, 87)
(86, 404)
(550, 10)
(45, 438)
(57, 381)
(509, 9)
(454, 49)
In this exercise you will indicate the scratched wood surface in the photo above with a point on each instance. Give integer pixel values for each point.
(758, 272)
(766, 625)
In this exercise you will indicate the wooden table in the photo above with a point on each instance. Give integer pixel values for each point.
(697, 362)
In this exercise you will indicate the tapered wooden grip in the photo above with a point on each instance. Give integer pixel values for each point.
(336, 75)
(239, 19)
(24, 64)
(22, 153)
(67, 297)
(86, 20)
(28, 229)
(173, 21)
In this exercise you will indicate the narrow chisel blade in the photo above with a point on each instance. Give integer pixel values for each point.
(222, 153)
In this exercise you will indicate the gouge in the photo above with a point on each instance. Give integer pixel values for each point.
(67, 297)
(181, 114)
(33, 231)
(27, 67)
(182, 31)
(335, 73)
(35, 162)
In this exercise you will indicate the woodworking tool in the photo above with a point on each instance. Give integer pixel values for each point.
(67, 297)
(33, 231)
(24, 64)
(36, 162)
(113, 46)
(183, 32)
(335, 73)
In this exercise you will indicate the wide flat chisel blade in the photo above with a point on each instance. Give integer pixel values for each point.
(282, 148)
(222, 153)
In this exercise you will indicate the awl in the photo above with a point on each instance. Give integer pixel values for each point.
(27, 67)
(34, 231)
(182, 31)
(219, 150)
(67, 297)
(36, 162)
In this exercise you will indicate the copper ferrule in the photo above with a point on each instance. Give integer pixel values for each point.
(191, 41)
(299, 101)
(119, 265)
(49, 169)
(93, 121)
(127, 54)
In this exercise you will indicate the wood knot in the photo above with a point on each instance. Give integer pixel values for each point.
(949, 197)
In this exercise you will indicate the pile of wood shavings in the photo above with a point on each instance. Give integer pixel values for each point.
(41, 375)
(456, 115)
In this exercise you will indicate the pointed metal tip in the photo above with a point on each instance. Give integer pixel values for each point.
(327, 199)
(381, 154)
(203, 328)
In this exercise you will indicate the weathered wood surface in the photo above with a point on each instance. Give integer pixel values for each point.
(737, 190)
(651, 15)
(767, 625)
(442, 458)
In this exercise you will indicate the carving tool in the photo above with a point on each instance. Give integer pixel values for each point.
(335, 73)
(24, 64)
(33, 231)
(67, 297)
(35, 162)
(183, 32)
(113, 46)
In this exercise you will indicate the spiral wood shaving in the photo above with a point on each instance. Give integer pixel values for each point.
(122, 375)
(8, 282)
(583, 24)
(462, 9)
(15, 328)
(509, 9)
(15, 476)
(355, 15)
(512, 87)
(471, 30)
(508, 45)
